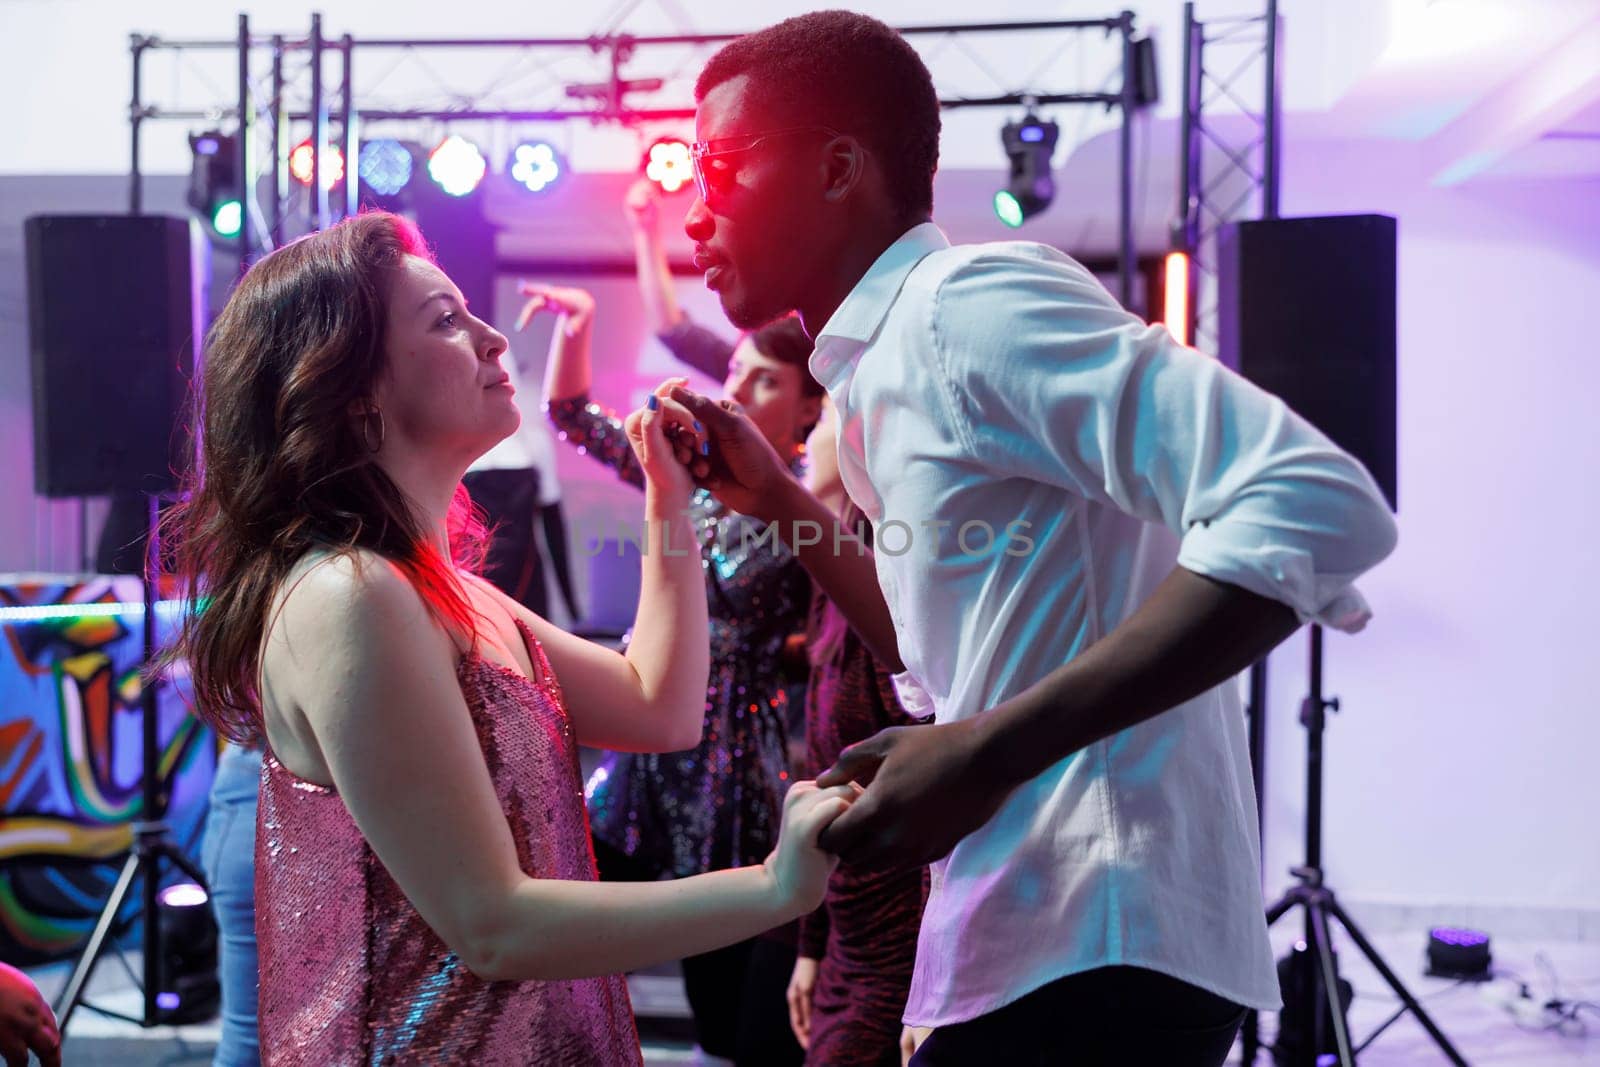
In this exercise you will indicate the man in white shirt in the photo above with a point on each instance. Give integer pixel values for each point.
(1083, 531)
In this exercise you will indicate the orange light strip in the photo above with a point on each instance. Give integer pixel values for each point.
(1176, 312)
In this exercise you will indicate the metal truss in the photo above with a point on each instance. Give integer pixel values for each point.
(611, 77)
(1229, 144)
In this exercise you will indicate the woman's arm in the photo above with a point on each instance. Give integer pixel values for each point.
(597, 432)
(652, 698)
(642, 207)
(371, 678)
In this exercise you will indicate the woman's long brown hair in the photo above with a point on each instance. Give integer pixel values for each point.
(284, 462)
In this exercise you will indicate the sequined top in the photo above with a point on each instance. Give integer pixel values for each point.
(717, 805)
(350, 972)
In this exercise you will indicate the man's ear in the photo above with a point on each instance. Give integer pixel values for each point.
(845, 164)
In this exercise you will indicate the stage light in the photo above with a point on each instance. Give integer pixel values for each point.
(1175, 313)
(457, 166)
(228, 218)
(667, 163)
(186, 974)
(385, 166)
(1029, 144)
(215, 191)
(535, 166)
(332, 164)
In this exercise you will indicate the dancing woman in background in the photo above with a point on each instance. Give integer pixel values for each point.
(671, 816)
(425, 886)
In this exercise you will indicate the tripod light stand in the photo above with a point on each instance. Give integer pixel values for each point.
(1317, 1003)
(151, 843)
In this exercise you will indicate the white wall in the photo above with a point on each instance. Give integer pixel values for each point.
(1461, 768)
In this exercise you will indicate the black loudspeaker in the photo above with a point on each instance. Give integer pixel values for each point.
(115, 307)
(1306, 310)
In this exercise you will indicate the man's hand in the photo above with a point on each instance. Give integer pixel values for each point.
(802, 987)
(26, 1022)
(927, 788)
(743, 470)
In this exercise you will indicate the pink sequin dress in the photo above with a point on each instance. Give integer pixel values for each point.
(350, 973)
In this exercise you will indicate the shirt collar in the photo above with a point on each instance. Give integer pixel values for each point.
(862, 312)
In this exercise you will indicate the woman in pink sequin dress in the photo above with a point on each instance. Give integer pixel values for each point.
(425, 886)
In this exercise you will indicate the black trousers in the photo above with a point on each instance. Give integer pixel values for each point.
(1110, 1017)
(738, 994)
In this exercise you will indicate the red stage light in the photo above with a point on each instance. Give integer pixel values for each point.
(332, 164)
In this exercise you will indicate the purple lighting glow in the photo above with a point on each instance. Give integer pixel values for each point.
(1452, 935)
(167, 1001)
(183, 895)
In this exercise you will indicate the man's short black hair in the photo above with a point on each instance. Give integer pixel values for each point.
(851, 73)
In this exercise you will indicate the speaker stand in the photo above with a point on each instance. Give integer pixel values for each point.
(152, 843)
(1320, 1007)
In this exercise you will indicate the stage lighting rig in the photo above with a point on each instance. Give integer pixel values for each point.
(385, 167)
(214, 187)
(457, 165)
(536, 166)
(666, 162)
(1029, 143)
(332, 164)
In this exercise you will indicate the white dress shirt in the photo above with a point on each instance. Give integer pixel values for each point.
(1000, 384)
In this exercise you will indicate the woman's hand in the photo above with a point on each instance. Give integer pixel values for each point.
(640, 206)
(802, 987)
(575, 306)
(664, 437)
(740, 467)
(798, 867)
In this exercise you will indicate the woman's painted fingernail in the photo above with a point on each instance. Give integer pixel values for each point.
(652, 403)
(705, 448)
(697, 427)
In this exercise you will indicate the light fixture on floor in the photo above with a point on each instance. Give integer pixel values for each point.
(1457, 953)
(188, 990)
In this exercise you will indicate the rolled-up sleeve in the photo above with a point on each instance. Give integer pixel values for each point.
(1069, 389)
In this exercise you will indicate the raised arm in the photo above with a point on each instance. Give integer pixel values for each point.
(651, 698)
(691, 343)
(371, 681)
(581, 423)
(745, 473)
(642, 206)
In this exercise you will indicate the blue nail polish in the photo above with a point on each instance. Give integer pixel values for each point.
(697, 426)
(705, 448)
(652, 403)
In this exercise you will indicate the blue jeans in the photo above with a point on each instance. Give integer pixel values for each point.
(228, 856)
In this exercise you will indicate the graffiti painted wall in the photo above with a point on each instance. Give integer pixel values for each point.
(70, 756)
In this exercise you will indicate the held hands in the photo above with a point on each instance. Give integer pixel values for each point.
(662, 434)
(26, 1022)
(928, 787)
(575, 306)
(798, 868)
(740, 468)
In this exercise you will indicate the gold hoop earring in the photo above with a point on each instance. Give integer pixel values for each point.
(366, 430)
